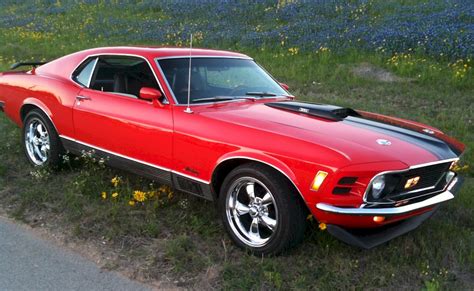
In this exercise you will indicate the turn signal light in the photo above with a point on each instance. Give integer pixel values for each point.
(318, 180)
(379, 219)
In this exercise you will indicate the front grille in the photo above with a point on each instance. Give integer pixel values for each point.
(432, 179)
(429, 177)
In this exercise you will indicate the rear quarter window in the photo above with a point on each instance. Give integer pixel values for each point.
(83, 74)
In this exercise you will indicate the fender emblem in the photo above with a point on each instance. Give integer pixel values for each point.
(384, 142)
(191, 170)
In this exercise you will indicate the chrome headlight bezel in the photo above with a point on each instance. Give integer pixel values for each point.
(377, 186)
(381, 185)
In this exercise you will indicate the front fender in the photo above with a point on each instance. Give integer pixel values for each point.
(261, 158)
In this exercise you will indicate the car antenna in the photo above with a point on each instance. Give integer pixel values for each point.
(188, 109)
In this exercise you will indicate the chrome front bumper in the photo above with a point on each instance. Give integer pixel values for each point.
(448, 194)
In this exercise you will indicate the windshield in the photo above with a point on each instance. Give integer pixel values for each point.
(218, 79)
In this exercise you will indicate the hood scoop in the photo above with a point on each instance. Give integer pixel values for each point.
(330, 112)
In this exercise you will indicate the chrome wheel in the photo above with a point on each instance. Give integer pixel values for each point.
(37, 141)
(251, 211)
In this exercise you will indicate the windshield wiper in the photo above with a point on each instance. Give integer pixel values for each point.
(246, 97)
(211, 99)
(261, 94)
(251, 96)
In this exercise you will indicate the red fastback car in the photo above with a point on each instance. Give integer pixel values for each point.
(243, 141)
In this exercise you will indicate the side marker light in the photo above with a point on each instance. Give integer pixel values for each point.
(318, 180)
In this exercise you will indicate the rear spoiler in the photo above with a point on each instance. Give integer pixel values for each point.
(23, 64)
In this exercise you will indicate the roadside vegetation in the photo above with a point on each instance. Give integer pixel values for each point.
(410, 59)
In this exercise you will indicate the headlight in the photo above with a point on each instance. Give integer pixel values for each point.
(378, 184)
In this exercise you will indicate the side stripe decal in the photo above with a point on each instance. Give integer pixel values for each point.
(135, 160)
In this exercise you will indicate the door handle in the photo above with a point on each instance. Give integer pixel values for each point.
(82, 98)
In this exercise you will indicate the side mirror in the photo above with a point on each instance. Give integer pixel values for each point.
(284, 86)
(151, 94)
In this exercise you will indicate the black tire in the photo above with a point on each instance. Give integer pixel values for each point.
(56, 149)
(290, 212)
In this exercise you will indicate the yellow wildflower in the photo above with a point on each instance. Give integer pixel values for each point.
(293, 50)
(324, 49)
(131, 203)
(458, 168)
(170, 195)
(163, 189)
(115, 195)
(104, 195)
(322, 226)
(139, 196)
(115, 181)
(151, 194)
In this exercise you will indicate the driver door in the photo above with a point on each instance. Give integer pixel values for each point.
(111, 119)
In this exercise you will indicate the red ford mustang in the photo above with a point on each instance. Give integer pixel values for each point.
(243, 141)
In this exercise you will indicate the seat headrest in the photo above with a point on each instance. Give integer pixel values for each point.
(120, 83)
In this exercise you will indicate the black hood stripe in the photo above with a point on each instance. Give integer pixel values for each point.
(438, 147)
(435, 146)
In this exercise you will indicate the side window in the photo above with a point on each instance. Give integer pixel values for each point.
(122, 75)
(83, 74)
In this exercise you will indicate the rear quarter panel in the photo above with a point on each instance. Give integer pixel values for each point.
(53, 95)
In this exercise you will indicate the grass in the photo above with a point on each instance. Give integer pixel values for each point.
(179, 237)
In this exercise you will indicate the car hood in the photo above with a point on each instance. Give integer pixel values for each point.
(361, 137)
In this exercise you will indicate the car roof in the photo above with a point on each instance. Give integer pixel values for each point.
(64, 66)
(164, 52)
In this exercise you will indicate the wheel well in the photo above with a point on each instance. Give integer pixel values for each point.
(25, 109)
(224, 168)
